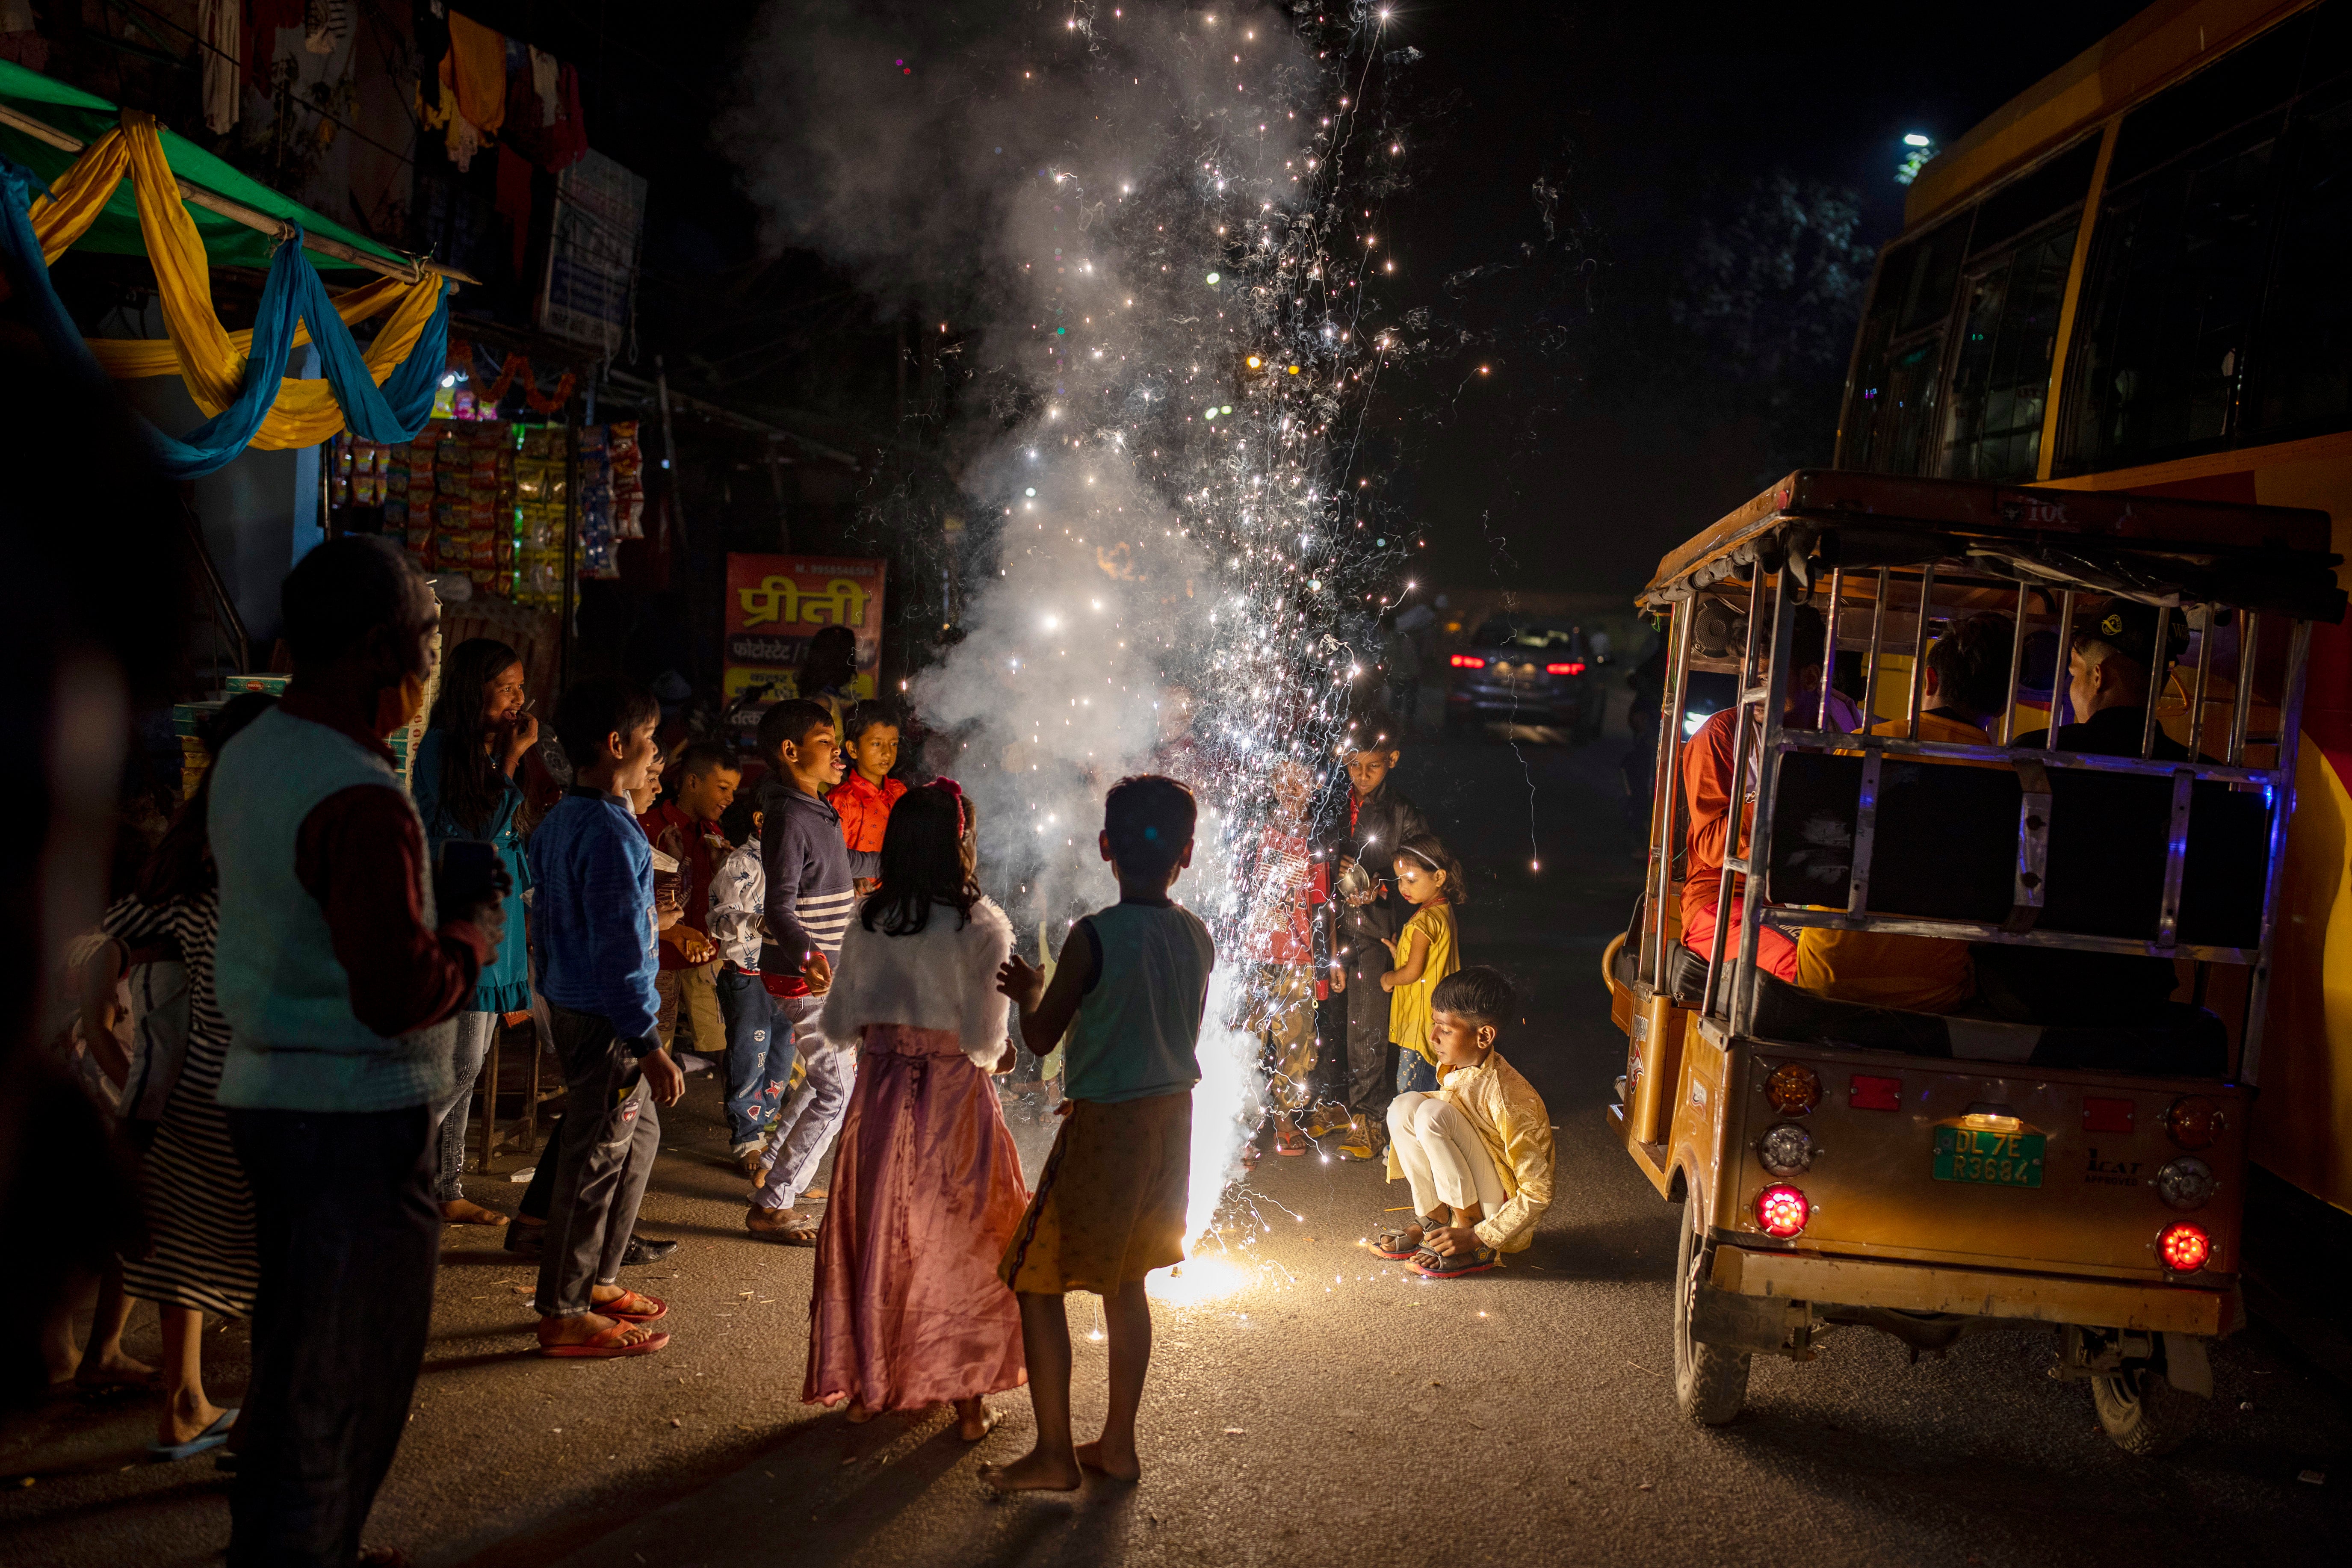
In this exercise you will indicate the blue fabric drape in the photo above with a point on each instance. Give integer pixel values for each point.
(395, 412)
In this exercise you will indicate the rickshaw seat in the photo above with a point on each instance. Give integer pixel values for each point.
(1946, 848)
(2174, 1040)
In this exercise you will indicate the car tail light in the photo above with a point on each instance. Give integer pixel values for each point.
(1787, 1150)
(1869, 1092)
(1574, 667)
(2187, 1182)
(1468, 661)
(2184, 1246)
(1793, 1089)
(1782, 1210)
(2108, 1116)
(2193, 1121)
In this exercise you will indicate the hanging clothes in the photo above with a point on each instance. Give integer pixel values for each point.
(475, 69)
(267, 17)
(220, 26)
(568, 138)
(547, 84)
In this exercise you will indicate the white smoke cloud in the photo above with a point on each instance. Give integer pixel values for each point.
(1139, 207)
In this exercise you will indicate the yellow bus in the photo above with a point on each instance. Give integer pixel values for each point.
(2138, 275)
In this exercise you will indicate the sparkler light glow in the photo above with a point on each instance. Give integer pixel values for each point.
(1191, 214)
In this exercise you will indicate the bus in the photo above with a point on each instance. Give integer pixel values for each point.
(2133, 277)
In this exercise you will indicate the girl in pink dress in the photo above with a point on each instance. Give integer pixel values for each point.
(927, 1189)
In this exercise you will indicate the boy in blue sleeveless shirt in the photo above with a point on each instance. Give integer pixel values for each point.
(1130, 989)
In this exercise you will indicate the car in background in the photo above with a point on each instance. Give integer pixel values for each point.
(1525, 672)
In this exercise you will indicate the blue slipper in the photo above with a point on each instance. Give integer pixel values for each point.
(212, 1436)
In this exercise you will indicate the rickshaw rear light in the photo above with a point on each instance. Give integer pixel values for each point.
(1574, 667)
(1468, 661)
(2187, 1182)
(1793, 1089)
(1870, 1092)
(1786, 1149)
(2193, 1121)
(2184, 1247)
(1782, 1211)
(2107, 1115)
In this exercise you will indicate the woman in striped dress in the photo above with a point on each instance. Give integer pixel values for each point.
(201, 1257)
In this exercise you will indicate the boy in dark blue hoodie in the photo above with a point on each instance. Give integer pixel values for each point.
(812, 891)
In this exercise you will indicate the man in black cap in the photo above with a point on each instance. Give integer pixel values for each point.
(2114, 670)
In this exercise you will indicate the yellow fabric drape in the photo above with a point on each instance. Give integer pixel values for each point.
(210, 359)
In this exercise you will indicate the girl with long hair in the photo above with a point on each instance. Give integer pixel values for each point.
(1428, 878)
(464, 788)
(927, 1190)
(202, 1256)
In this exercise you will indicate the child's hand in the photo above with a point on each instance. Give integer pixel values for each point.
(1448, 1240)
(1023, 982)
(1338, 979)
(1388, 979)
(664, 1078)
(818, 972)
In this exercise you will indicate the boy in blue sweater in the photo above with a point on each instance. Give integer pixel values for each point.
(812, 891)
(593, 927)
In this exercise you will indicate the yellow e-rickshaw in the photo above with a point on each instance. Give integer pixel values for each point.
(1929, 1175)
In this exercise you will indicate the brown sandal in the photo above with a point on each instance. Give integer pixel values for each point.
(648, 1308)
(610, 1344)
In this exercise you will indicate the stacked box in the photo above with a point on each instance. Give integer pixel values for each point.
(269, 685)
(188, 719)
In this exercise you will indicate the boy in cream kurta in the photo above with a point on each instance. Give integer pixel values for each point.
(1478, 1153)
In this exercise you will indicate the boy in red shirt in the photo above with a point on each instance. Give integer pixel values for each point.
(863, 798)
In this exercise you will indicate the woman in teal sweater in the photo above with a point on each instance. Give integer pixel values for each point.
(464, 787)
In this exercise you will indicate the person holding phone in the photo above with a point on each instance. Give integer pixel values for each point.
(464, 787)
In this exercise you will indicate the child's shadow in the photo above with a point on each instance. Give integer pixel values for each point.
(1614, 1251)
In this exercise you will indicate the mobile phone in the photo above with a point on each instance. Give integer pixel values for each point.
(466, 875)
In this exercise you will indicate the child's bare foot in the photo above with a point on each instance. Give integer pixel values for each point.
(465, 1211)
(857, 1415)
(975, 1419)
(113, 1371)
(1119, 1464)
(1033, 1472)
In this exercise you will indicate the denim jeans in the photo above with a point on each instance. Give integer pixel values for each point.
(812, 1116)
(759, 1055)
(474, 1032)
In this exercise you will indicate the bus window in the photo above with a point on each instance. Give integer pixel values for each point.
(2156, 363)
(2302, 369)
(2000, 373)
(1890, 423)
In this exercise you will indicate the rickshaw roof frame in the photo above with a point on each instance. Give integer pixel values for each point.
(1924, 519)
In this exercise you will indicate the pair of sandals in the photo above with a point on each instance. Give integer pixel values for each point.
(630, 1311)
(1403, 1244)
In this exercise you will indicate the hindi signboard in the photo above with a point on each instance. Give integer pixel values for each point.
(775, 604)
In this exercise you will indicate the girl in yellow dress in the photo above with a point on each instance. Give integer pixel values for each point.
(1426, 952)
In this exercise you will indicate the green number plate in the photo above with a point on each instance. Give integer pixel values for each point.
(1991, 1159)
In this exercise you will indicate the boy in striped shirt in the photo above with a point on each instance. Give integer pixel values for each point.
(812, 891)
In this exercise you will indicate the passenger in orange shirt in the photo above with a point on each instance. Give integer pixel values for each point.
(1707, 791)
(865, 796)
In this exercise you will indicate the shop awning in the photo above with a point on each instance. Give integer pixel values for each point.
(32, 104)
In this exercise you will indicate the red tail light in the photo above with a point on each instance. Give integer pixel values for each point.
(1574, 667)
(1868, 1092)
(1782, 1211)
(2184, 1246)
(1468, 661)
(2107, 1115)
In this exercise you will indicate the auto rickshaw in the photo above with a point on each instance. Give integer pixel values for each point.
(1931, 1175)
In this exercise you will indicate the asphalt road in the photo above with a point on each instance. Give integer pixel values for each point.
(1314, 1405)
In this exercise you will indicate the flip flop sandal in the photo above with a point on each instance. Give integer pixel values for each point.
(607, 1346)
(1393, 1243)
(1430, 1265)
(612, 1308)
(212, 1436)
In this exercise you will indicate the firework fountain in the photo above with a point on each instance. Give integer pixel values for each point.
(1169, 215)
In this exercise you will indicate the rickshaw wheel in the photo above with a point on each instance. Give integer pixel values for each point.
(2143, 1412)
(1710, 1382)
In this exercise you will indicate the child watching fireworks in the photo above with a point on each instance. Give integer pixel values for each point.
(871, 745)
(1478, 1153)
(1429, 879)
(1129, 989)
(759, 1055)
(1379, 818)
(1285, 955)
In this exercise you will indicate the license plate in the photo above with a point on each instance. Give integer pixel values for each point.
(1988, 1158)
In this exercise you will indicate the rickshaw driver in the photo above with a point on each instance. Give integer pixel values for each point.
(2109, 687)
(1707, 793)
